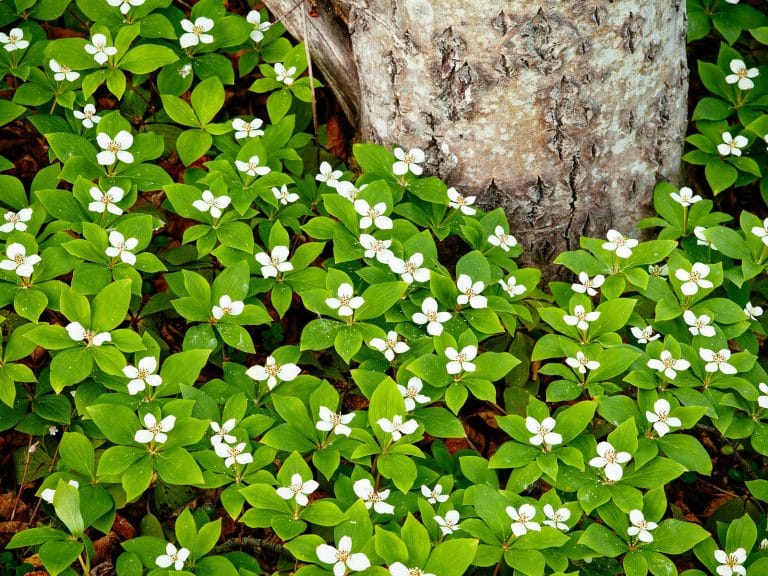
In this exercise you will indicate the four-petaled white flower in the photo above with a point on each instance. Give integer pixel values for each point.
(412, 394)
(742, 76)
(348, 190)
(285, 75)
(334, 421)
(450, 523)
(172, 556)
(14, 40)
(641, 528)
(275, 262)
(581, 318)
(469, 292)
(753, 312)
(346, 303)
(373, 215)
(700, 232)
(252, 167)
(298, 490)
(717, 361)
(196, 33)
(732, 563)
(582, 363)
(522, 519)
(99, 50)
(342, 557)
(284, 196)
(644, 335)
(221, 433)
(273, 372)
(408, 161)
(762, 400)
(212, 204)
(18, 260)
(397, 426)
(694, 279)
(155, 431)
(62, 72)
(502, 239)
(142, 375)
(463, 203)
(511, 287)
(390, 346)
(364, 489)
(227, 307)
(233, 453)
(668, 365)
(430, 316)
(685, 197)
(106, 201)
(329, 175)
(460, 361)
(77, 333)
(542, 431)
(658, 270)
(375, 248)
(610, 460)
(400, 569)
(619, 243)
(762, 232)
(587, 285)
(254, 19)
(48, 494)
(245, 129)
(120, 247)
(699, 325)
(660, 418)
(732, 146)
(16, 220)
(557, 518)
(88, 116)
(115, 149)
(410, 270)
(434, 495)
(125, 5)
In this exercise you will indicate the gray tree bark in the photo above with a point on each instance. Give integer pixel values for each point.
(564, 112)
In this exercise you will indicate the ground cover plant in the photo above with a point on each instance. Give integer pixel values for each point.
(227, 352)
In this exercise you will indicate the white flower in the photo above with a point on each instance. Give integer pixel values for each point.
(641, 528)
(460, 361)
(699, 325)
(501, 239)
(434, 495)
(582, 363)
(99, 50)
(450, 523)
(522, 519)
(275, 262)
(273, 372)
(397, 427)
(346, 303)
(172, 556)
(668, 365)
(659, 271)
(14, 40)
(390, 346)
(227, 307)
(742, 75)
(48, 494)
(372, 215)
(298, 490)
(660, 418)
(87, 116)
(185, 70)
(212, 204)
(763, 544)
(717, 361)
(18, 260)
(333, 421)
(125, 5)
(753, 312)
(581, 318)
(685, 197)
(155, 431)
(412, 394)
(143, 375)
(644, 335)
(542, 431)
(195, 34)
(364, 489)
(77, 333)
(400, 569)
(245, 129)
(106, 201)
(284, 196)
(232, 454)
(511, 287)
(120, 247)
(762, 400)
(470, 292)
(62, 72)
(701, 237)
(114, 150)
(53, 430)
(762, 232)
(378, 249)
(348, 190)
(283, 75)
(431, 317)
(463, 203)
(611, 460)
(16, 220)
(409, 161)
(619, 244)
(222, 433)
(731, 563)
(329, 175)
(254, 19)
(252, 167)
(732, 145)
(587, 285)
(557, 518)
(694, 279)
(410, 270)
(342, 558)
(732, 1)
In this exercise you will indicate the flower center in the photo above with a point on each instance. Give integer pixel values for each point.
(155, 429)
(731, 560)
(717, 358)
(461, 358)
(226, 310)
(142, 374)
(344, 300)
(610, 457)
(410, 267)
(114, 146)
(335, 419)
(662, 415)
(373, 213)
(174, 557)
(543, 431)
(272, 369)
(523, 518)
(390, 344)
(197, 30)
(668, 362)
(106, 199)
(461, 201)
(19, 259)
(12, 39)
(378, 245)
(431, 316)
(374, 497)
(620, 241)
(695, 276)
(65, 69)
(415, 572)
(411, 393)
(503, 238)
(742, 73)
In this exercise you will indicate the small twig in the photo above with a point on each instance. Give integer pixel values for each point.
(23, 478)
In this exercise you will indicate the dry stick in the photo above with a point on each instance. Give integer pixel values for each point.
(23, 478)
(315, 123)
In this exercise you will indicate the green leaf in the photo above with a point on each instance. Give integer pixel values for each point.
(176, 466)
(207, 99)
(66, 501)
(603, 541)
(452, 558)
(687, 451)
(110, 306)
(57, 556)
(192, 144)
(146, 58)
(35, 536)
(380, 298)
(720, 175)
(70, 367)
(117, 423)
(676, 537)
(77, 453)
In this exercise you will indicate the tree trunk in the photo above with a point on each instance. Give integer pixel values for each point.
(564, 112)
